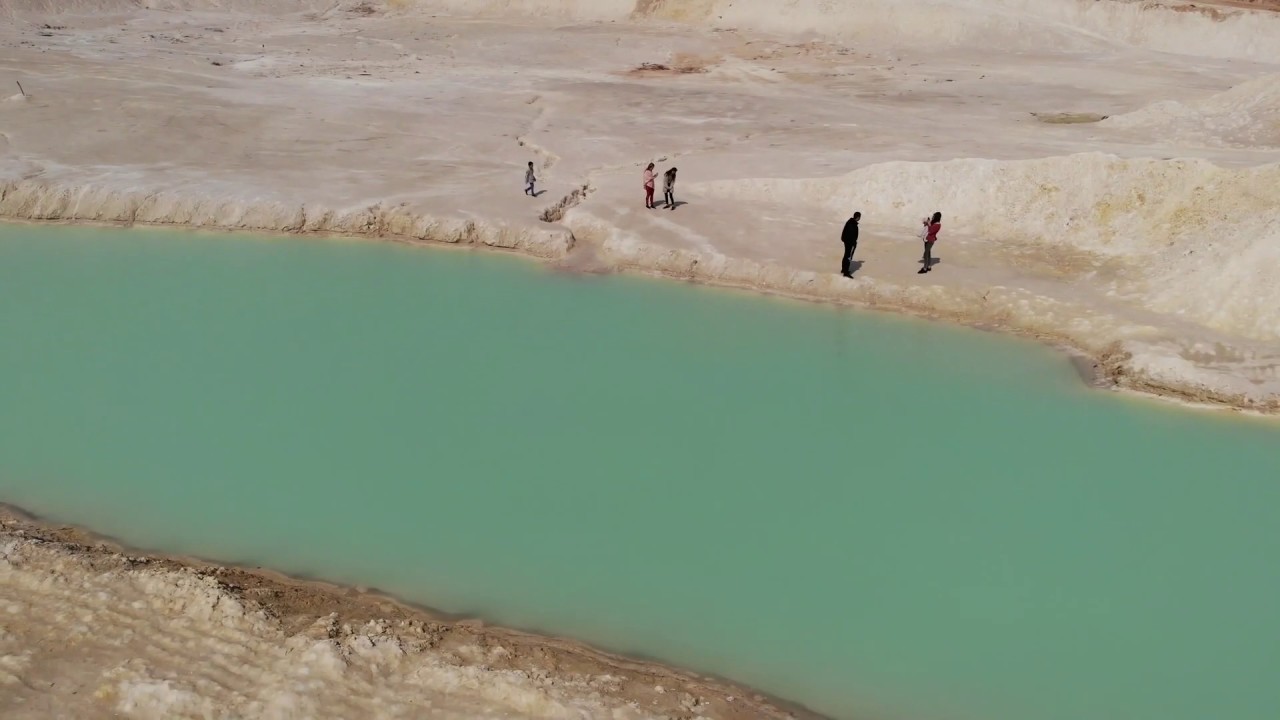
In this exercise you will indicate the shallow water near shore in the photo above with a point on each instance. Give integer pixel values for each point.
(861, 513)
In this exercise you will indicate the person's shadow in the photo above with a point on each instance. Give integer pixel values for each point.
(932, 261)
(677, 204)
(539, 193)
(855, 266)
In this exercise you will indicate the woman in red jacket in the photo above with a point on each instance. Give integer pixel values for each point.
(930, 237)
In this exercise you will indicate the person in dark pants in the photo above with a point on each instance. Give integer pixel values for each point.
(669, 188)
(849, 236)
(930, 237)
(648, 187)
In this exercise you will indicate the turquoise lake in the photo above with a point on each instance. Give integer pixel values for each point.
(869, 515)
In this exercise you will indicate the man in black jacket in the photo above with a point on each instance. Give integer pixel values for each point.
(850, 239)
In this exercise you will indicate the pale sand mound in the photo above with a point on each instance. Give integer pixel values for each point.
(92, 632)
(1025, 25)
(1246, 116)
(1196, 240)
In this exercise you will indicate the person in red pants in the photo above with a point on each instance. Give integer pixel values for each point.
(648, 187)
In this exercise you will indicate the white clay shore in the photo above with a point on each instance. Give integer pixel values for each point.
(89, 630)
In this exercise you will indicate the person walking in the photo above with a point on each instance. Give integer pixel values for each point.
(648, 187)
(849, 236)
(529, 180)
(930, 237)
(669, 188)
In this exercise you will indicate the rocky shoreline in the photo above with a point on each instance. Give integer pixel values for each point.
(106, 612)
(1105, 367)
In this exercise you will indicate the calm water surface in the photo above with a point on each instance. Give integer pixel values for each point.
(859, 512)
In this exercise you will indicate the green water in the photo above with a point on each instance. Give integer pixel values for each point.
(862, 513)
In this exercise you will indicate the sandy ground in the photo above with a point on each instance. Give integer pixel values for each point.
(91, 630)
(1107, 171)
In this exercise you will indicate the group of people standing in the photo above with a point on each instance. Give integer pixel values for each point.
(929, 228)
(928, 233)
(668, 188)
